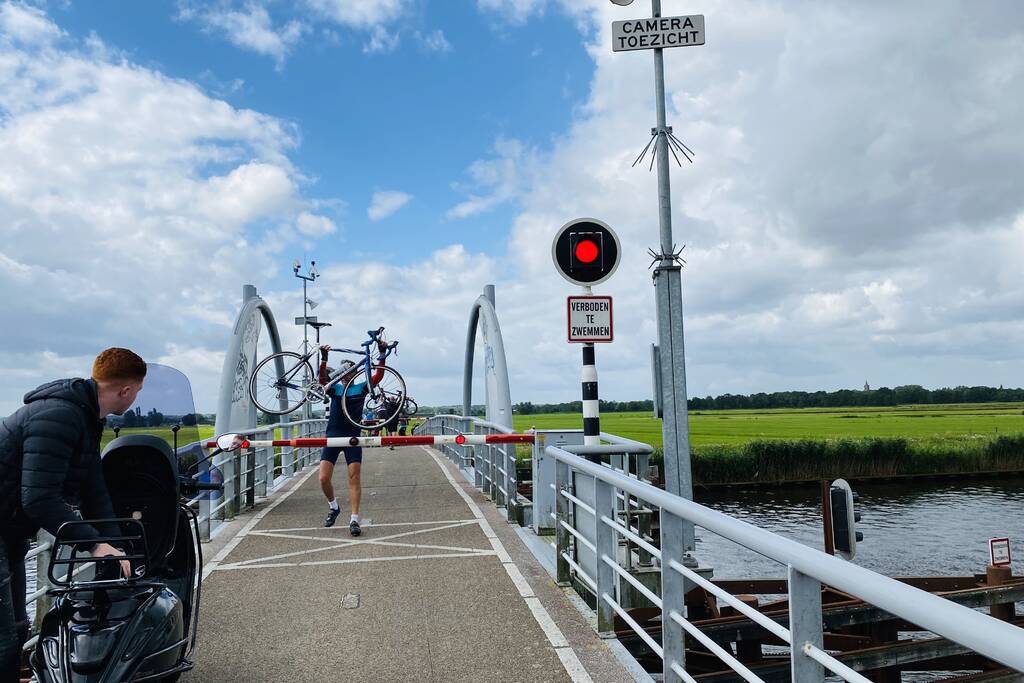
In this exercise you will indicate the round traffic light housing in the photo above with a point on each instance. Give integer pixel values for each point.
(585, 251)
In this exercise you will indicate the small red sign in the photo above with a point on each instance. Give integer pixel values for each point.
(999, 551)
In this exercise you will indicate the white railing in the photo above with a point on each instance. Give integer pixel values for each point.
(598, 533)
(248, 476)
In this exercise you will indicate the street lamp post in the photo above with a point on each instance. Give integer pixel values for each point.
(311, 276)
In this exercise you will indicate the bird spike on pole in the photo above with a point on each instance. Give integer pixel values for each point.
(674, 145)
(675, 256)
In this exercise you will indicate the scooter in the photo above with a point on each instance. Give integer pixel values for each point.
(104, 627)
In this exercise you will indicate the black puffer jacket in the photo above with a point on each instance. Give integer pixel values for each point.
(50, 461)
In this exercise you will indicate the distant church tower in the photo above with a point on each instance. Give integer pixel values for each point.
(867, 387)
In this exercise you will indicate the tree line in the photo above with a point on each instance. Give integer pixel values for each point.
(909, 394)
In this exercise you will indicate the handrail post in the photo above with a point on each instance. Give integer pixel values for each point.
(673, 596)
(562, 483)
(604, 535)
(236, 488)
(42, 578)
(229, 472)
(288, 454)
(511, 483)
(205, 505)
(805, 626)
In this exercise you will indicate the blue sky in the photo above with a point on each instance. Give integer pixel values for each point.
(852, 214)
(411, 119)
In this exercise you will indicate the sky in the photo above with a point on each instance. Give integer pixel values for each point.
(853, 213)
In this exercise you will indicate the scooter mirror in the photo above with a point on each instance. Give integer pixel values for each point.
(231, 442)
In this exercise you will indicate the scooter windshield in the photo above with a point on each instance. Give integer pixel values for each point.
(165, 408)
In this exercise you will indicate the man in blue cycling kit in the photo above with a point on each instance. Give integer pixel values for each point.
(338, 425)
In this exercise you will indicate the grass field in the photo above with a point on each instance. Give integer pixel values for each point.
(185, 436)
(737, 427)
(818, 443)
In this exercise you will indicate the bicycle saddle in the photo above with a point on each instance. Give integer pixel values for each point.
(318, 325)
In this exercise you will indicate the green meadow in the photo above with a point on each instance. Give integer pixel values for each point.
(737, 427)
(814, 443)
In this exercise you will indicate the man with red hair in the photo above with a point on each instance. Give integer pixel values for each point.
(50, 473)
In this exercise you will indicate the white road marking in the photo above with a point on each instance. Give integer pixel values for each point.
(565, 653)
(367, 524)
(233, 543)
(345, 544)
(353, 560)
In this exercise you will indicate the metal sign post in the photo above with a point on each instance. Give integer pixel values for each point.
(586, 252)
(667, 276)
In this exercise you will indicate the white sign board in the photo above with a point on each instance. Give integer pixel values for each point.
(589, 319)
(657, 32)
(999, 551)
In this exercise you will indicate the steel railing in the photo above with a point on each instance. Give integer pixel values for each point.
(598, 535)
(248, 476)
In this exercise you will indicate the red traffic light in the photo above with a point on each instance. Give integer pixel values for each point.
(586, 251)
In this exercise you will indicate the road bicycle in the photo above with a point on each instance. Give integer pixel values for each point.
(283, 382)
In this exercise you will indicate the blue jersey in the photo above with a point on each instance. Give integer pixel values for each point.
(354, 391)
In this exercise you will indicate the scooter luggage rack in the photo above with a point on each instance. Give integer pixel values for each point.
(61, 540)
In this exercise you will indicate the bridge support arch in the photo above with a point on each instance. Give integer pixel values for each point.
(498, 396)
(235, 409)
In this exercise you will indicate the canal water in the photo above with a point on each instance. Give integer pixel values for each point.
(911, 528)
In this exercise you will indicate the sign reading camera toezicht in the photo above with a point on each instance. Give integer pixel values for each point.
(657, 32)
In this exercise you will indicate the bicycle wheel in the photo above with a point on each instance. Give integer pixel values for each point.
(278, 394)
(383, 402)
(410, 407)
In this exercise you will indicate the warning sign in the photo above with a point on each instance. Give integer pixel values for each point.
(657, 32)
(999, 551)
(590, 319)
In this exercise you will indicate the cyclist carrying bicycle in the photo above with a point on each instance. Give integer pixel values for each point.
(338, 425)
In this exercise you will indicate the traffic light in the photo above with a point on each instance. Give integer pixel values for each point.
(585, 251)
(844, 519)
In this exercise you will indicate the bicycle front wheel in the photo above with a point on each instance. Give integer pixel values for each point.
(280, 391)
(383, 400)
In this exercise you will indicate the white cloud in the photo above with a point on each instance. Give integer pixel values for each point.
(497, 180)
(513, 11)
(27, 24)
(385, 203)
(250, 28)
(382, 40)
(315, 226)
(131, 203)
(362, 14)
(434, 41)
(849, 216)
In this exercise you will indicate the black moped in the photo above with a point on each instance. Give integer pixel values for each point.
(104, 627)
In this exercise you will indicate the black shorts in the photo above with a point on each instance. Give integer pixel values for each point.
(337, 425)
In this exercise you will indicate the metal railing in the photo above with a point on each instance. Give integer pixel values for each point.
(599, 538)
(493, 465)
(248, 476)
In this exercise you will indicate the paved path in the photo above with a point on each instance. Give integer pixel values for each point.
(438, 588)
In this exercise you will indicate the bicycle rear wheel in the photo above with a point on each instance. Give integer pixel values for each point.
(410, 408)
(280, 393)
(383, 402)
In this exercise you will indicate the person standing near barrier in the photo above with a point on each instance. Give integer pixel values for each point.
(50, 473)
(338, 425)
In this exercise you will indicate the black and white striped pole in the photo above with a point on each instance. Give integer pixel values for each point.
(586, 252)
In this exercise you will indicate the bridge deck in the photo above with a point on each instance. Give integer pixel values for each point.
(438, 588)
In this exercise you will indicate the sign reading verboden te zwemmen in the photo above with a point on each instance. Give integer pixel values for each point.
(589, 319)
(650, 34)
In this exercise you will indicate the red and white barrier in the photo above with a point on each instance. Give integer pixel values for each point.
(377, 441)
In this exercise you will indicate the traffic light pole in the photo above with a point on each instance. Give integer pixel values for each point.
(668, 293)
(591, 403)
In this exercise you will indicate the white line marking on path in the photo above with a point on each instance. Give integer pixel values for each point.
(233, 543)
(366, 524)
(351, 542)
(565, 653)
(354, 560)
